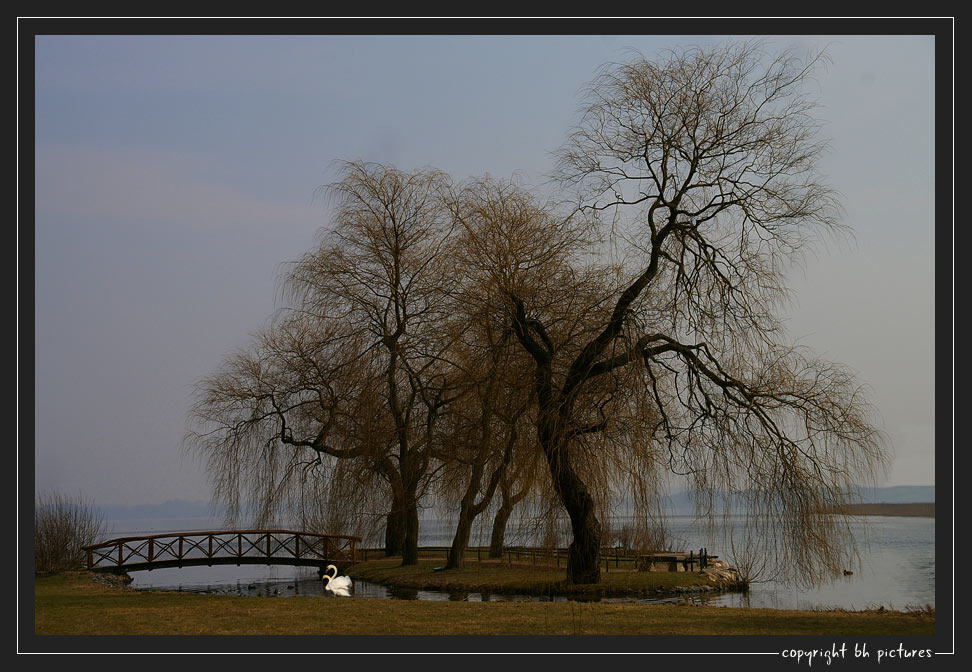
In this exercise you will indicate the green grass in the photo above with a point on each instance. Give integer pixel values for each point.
(73, 604)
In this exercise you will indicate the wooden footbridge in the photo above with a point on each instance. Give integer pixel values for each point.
(223, 547)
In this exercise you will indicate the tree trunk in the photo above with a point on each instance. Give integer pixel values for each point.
(410, 541)
(395, 530)
(461, 539)
(553, 431)
(498, 537)
(469, 508)
(510, 499)
(584, 553)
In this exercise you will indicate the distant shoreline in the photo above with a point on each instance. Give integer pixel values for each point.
(923, 510)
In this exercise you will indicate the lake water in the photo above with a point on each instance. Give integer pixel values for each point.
(898, 570)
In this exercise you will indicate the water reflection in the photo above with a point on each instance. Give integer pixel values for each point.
(397, 593)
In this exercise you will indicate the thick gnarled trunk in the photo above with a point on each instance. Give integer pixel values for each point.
(395, 531)
(410, 548)
(554, 433)
(402, 528)
(584, 552)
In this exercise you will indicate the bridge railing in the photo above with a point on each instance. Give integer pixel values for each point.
(174, 548)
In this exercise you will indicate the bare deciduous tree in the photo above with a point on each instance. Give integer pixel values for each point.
(354, 369)
(700, 170)
(648, 313)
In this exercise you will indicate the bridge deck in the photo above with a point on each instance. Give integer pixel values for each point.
(222, 547)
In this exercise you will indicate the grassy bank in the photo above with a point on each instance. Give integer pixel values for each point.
(500, 577)
(74, 604)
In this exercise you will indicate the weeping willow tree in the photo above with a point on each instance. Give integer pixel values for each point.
(647, 315)
(652, 312)
(519, 252)
(351, 370)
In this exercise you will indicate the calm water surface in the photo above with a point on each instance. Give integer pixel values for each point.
(898, 571)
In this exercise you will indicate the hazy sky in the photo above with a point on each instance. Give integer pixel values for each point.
(174, 174)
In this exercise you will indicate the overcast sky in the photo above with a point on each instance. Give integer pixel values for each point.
(174, 174)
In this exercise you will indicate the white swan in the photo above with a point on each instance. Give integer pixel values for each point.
(339, 585)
